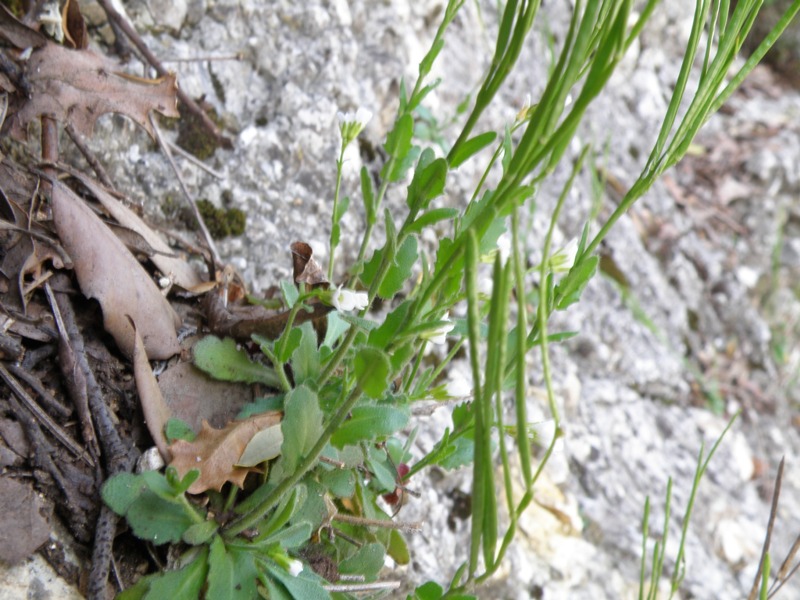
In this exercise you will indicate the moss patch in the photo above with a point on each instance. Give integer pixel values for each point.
(193, 136)
(222, 222)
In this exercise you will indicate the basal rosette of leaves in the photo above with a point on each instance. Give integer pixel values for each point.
(323, 487)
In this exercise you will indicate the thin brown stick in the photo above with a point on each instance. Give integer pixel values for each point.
(212, 248)
(44, 418)
(36, 384)
(119, 457)
(362, 587)
(195, 161)
(137, 41)
(773, 512)
(74, 378)
(90, 157)
(42, 453)
(386, 524)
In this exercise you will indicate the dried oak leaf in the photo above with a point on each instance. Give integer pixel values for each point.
(217, 451)
(108, 272)
(77, 86)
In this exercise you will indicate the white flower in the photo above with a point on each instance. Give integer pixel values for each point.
(563, 259)
(295, 567)
(439, 335)
(350, 125)
(346, 300)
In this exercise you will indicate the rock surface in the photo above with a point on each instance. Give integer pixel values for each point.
(695, 308)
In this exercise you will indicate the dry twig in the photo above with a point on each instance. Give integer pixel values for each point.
(135, 38)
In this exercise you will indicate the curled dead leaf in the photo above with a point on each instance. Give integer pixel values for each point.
(306, 269)
(109, 273)
(216, 452)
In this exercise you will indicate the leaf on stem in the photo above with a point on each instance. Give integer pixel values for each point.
(223, 360)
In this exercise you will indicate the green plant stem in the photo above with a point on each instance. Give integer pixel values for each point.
(278, 367)
(259, 512)
(335, 215)
(362, 251)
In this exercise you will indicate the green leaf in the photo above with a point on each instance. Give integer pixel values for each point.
(284, 511)
(336, 327)
(175, 429)
(386, 333)
(471, 147)
(305, 359)
(372, 369)
(200, 533)
(398, 548)
(290, 292)
(340, 482)
(458, 453)
(155, 519)
(368, 195)
(245, 575)
(223, 360)
(398, 147)
(183, 584)
(303, 587)
(344, 204)
(400, 271)
(356, 321)
(428, 182)
(177, 485)
(427, 62)
(384, 472)
(367, 561)
(428, 591)
(261, 405)
(370, 423)
(137, 591)
(122, 490)
(220, 572)
(301, 425)
(263, 446)
(431, 217)
(569, 290)
(293, 536)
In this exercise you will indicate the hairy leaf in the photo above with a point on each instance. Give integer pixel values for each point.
(302, 426)
(370, 423)
(222, 359)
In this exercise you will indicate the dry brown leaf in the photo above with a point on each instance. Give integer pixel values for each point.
(24, 519)
(78, 86)
(15, 33)
(193, 396)
(155, 410)
(74, 26)
(306, 269)
(176, 268)
(109, 273)
(216, 451)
